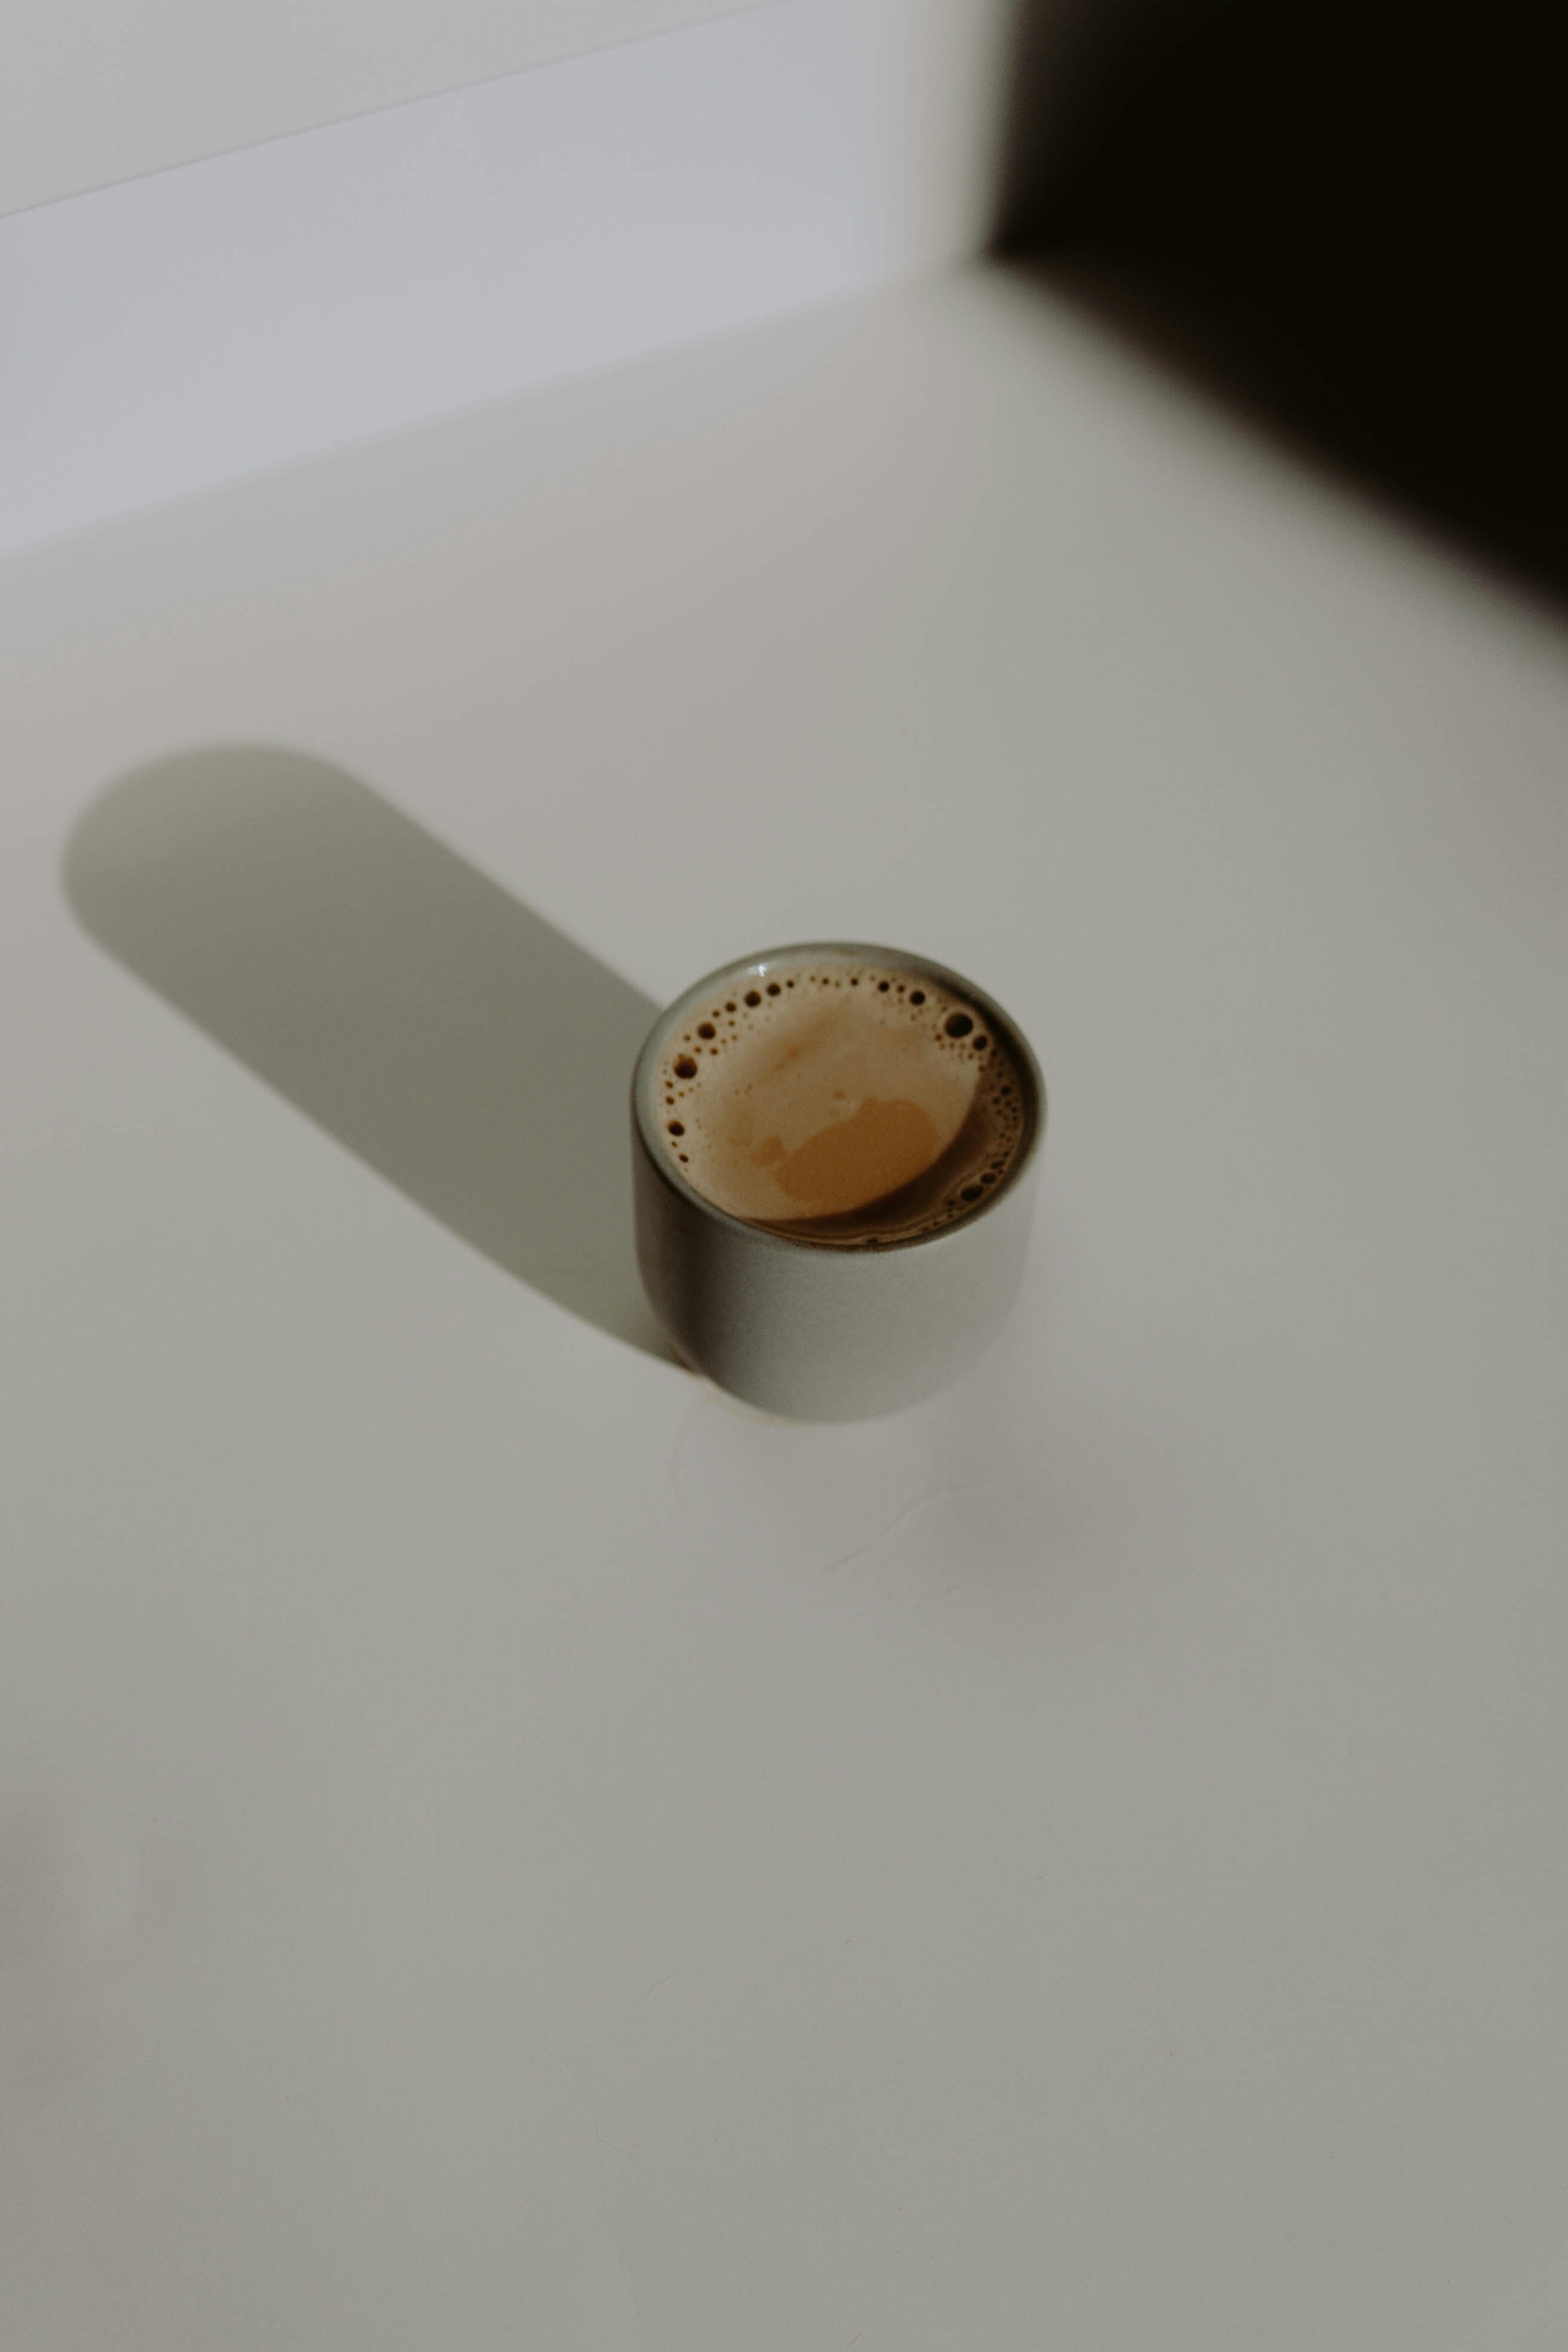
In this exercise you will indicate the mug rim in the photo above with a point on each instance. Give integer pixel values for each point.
(756, 965)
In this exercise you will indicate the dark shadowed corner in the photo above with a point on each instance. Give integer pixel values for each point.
(456, 1042)
(1346, 219)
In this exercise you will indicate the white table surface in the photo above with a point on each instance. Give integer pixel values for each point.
(498, 1847)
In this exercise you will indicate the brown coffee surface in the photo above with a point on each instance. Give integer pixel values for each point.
(850, 1104)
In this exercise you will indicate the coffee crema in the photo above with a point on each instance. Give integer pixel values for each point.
(850, 1104)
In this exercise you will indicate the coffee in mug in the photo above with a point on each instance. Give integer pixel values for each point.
(835, 1156)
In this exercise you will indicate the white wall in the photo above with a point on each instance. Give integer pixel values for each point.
(98, 91)
(182, 331)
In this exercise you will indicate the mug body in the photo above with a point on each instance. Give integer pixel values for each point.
(812, 1331)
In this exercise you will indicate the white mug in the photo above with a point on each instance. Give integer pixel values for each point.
(809, 1331)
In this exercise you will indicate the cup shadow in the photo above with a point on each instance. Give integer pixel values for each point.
(452, 1039)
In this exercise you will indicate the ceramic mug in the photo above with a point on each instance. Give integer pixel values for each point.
(810, 1330)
